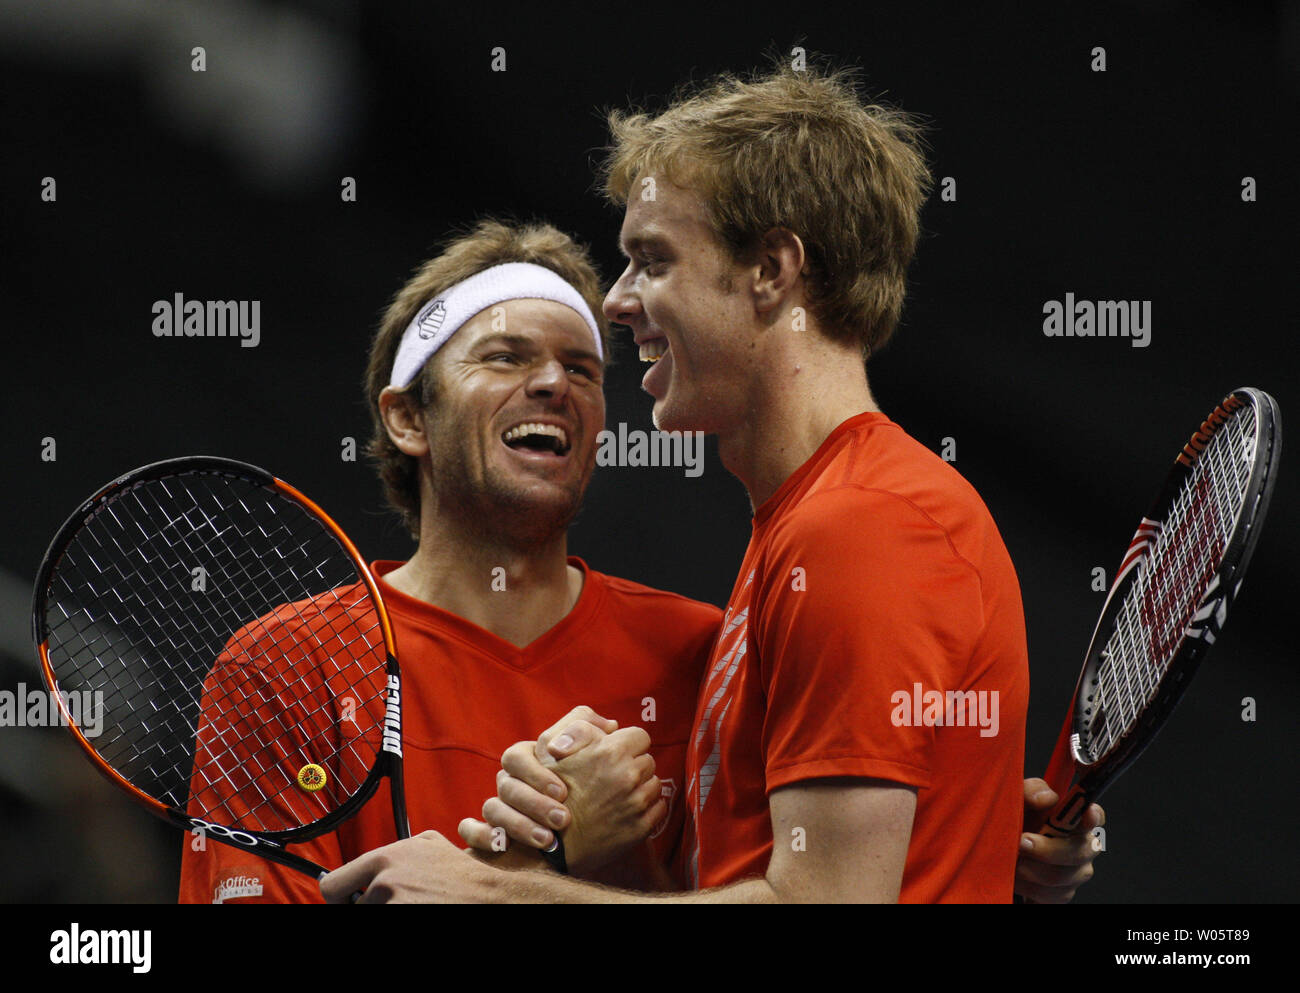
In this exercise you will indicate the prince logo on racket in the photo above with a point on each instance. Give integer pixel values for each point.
(393, 717)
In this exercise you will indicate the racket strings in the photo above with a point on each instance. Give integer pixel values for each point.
(1173, 578)
(128, 686)
(221, 686)
(291, 723)
(192, 548)
(169, 624)
(289, 720)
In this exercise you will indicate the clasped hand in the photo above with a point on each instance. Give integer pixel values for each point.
(583, 777)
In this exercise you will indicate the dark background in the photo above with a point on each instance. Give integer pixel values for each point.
(1123, 184)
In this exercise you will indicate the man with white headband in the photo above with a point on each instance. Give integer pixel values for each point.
(768, 226)
(485, 390)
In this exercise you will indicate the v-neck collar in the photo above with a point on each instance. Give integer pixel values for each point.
(545, 646)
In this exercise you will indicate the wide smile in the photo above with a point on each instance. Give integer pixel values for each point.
(538, 441)
(653, 349)
(658, 354)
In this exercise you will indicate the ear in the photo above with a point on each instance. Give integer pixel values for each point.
(781, 259)
(404, 422)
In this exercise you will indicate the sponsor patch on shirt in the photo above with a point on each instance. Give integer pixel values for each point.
(237, 883)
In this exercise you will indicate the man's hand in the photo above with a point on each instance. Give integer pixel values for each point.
(424, 869)
(532, 761)
(605, 778)
(1049, 870)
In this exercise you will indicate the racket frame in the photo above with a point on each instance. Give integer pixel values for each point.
(265, 844)
(1076, 779)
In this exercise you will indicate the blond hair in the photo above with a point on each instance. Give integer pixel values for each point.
(491, 242)
(800, 150)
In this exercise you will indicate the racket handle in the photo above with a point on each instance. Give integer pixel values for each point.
(1064, 818)
(1061, 820)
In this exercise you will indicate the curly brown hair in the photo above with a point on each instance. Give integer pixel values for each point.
(491, 242)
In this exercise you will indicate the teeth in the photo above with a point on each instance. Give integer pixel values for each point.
(550, 430)
(653, 351)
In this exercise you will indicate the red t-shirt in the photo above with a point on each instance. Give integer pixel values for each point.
(875, 589)
(628, 651)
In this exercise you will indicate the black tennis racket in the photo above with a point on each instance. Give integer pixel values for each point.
(240, 650)
(1169, 600)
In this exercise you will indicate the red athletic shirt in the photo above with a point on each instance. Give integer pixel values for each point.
(875, 589)
(467, 695)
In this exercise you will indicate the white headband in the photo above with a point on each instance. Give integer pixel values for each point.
(444, 315)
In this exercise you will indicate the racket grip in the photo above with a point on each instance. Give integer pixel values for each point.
(1061, 820)
(1064, 818)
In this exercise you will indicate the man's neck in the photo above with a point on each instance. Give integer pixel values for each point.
(518, 595)
(802, 395)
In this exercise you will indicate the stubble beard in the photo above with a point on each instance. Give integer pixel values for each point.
(502, 512)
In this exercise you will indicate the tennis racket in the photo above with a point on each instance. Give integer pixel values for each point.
(238, 647)
(1169, 600)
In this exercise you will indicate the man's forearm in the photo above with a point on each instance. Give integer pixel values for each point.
(638, 871)
(547, 887)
